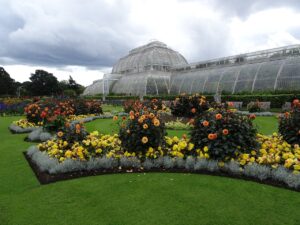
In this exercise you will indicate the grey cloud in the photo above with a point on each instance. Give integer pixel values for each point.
(97, 33)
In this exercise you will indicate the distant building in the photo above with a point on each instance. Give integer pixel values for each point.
(156, 69)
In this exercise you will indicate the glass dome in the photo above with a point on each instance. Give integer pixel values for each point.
(153, 56)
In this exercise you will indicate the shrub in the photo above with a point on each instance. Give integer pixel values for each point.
(132, 105)
(254, 107)
(143, 130)
(223, 133)
(289, 124)
(84, 107)
(189, 106)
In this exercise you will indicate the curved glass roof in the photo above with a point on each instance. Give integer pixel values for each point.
(153, 56)
(155, 69)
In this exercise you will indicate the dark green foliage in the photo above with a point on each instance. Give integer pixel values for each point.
(132, 132)
(43, 84)
(241, 137)
(289, 125)
(189, 105)
(8, 86)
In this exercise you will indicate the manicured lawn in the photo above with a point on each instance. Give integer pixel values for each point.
(154, 198)
(266, 125)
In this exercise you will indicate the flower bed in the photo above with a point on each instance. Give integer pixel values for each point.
(276, 162)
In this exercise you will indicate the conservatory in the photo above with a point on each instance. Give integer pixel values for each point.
(156, 69)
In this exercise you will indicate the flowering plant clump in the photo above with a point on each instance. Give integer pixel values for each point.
(178, 125)
(189, 106)
(13, 106)
(72, 132)
(289, 124)
(255, 107)
(24, 123)
(223, 133)
(93, 145)
(142, 130)
(132, 105)
(180, 148)
(84, 107)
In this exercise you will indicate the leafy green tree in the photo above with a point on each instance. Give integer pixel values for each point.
(43, 83)
(7, 84)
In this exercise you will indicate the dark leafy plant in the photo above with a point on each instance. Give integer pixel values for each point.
(189, 105)
(140, 131)
(224, 132)
(289, 124)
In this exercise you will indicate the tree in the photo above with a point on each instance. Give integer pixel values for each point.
(74, 86)
(7, 84)
(43, 83)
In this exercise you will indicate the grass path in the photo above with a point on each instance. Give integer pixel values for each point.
(134, 198)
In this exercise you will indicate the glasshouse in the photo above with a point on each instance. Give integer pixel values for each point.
(155, 69)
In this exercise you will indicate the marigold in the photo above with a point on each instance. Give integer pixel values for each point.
(145, 126)
(131, 112)
(151, 115)
(219, 116)
(205, 123)
(212, 136)
(77, 126)
(225, 131)
(124, 118)
(137, 114)
(115, 118)
(131, 117)
(156, 122)
(144, 140)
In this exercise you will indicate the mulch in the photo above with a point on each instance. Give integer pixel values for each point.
(47, 178)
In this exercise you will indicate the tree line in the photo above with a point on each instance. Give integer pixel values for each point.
(41, 83)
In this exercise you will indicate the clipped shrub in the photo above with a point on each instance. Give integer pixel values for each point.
(289, 124)
(189, 106)
(255, 107)
(143, 130)
(223, 134)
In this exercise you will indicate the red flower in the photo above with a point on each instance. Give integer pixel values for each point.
(219, 116)
(225, 131)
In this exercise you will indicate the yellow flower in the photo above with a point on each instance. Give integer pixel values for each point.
(61, 159)
(60, 134)
(98, 150)
(68, 154)
(191, 146)
(145, 126)
(156, 122)
(205, 149)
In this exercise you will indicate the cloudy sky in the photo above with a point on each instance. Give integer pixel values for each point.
(85, 38)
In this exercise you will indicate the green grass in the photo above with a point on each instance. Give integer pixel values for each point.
(156, 198)
(266, 125)
(111, 108)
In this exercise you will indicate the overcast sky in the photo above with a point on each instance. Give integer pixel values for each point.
(85, 38)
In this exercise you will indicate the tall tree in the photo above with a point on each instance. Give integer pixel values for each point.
(43, 83)
(7, 84)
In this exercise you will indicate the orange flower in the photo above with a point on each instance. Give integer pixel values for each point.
(140, 120)
(77, 131)
(132, 117)
(225, 131)
(205, 123)
(60, 134)
(67, 125)
(156, 122)
(151, 115)
(286, 114)
(230, 104)
(115, 118)
(145, 126)
(77, 126)
(137, 114)
(212, 136)
(124, 118)
(143, 117)
(219, 116)
(193, 110)
(131, 113)
(184, 136)
(144, 140)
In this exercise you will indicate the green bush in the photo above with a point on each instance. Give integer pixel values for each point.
(289, 124)
(254, 107)
(189, 105)
(224, 133)
(141, 131)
